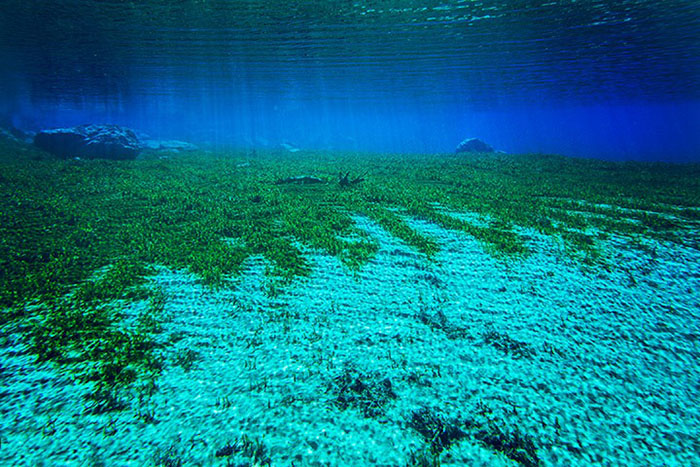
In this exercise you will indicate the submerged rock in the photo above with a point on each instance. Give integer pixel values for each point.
(290, 147)
(8, 135)
(473, 145)
(17, 135)
(14, 146)
(90, 142)
(170, 145)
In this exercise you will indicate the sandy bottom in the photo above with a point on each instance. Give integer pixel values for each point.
(592, 366)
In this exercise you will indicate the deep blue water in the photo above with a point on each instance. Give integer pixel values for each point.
(610, 79)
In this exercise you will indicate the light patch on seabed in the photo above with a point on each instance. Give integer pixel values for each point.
(474, 218)
(594, 366)
(664, 211)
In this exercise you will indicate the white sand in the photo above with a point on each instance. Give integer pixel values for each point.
(601, 369)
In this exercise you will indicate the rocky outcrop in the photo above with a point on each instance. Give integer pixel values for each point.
(90, 142)
(473, 145)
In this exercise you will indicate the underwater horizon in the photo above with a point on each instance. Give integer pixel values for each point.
(610, 80)
(402, 233)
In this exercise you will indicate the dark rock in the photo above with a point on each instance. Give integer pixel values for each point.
(473, 145)
(90, 142)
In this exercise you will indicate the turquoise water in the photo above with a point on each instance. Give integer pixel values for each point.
(287, 264)
(598, 79)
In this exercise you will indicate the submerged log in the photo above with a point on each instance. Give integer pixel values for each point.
(346, 181)
(301, 179)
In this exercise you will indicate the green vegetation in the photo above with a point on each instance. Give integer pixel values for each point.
(368, 393)
(79, 238)
(440, 432)
(86, 331)
(62, 220)
(169, 457)
(246, 451)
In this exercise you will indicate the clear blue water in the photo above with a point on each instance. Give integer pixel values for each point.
(617, 80)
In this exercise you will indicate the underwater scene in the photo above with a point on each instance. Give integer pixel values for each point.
(350, 233)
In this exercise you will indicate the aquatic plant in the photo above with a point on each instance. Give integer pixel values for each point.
(513, 444)
(439, 431)
(507, 344)
(250, 449)
(63, 220)
(168, 457)
(80, 238)
(186, 358)
(368, 393)
(437, 320)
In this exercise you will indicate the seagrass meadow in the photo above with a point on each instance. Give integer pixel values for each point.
(487, 309)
